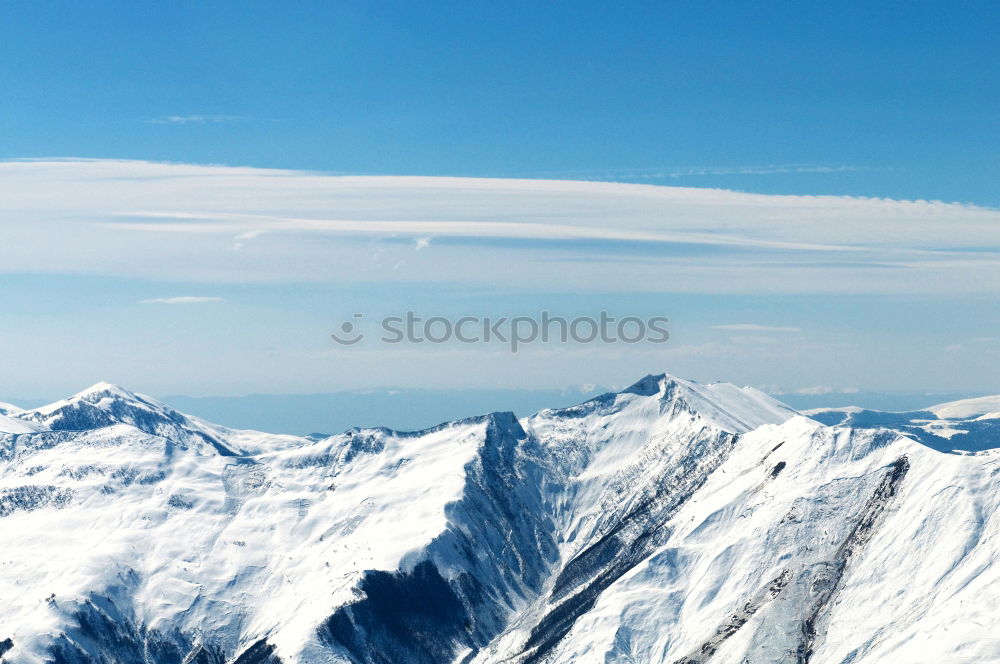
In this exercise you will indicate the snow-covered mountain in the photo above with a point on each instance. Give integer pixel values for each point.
(8, 409)
(673, 522)
(969, 425)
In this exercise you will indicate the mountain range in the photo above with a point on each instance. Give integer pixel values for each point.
(672, 522)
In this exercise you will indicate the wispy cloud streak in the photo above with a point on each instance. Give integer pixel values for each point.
(197, 119)
(668, 173)
(183, 299)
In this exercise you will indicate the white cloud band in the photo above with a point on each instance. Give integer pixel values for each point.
(230, 225)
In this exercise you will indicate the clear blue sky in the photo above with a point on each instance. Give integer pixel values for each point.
(178, 279)
(896, 99)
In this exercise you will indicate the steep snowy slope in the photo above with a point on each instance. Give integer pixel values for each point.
(672, 522)
(159, 551)
(552, 500)
(815, 544)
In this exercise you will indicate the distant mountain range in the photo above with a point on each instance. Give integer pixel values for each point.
(672, 522)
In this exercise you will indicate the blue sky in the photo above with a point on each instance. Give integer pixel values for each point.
(878, 99)
(865, 255)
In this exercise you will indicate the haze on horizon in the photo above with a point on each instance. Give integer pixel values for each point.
(809, 194)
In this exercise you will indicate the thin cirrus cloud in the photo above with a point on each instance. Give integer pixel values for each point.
(708, 171)
(214, 224)
(753, 327)
(183, 299)
(197, 119)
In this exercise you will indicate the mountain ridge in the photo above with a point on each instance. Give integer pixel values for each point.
(549, 538)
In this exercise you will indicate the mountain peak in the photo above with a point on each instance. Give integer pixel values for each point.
(104, 389)
(649, 385)
(105, 404)
(727, 406)
(724, 406)
(102, 396)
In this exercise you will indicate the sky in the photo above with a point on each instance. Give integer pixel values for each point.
(893, 99)
(193, 196)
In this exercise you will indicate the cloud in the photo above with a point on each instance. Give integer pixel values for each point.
(243, 238)
(774, 169)
(184, 299)
(695, 171)
(205, 222)
(753, 327)
(191, 223)
(198, 119)
(819, 390)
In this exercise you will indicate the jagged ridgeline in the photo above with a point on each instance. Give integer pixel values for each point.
(673, 522)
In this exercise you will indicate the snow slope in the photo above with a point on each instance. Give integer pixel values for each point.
(969, 425)
(968, 408)
(672, 522)
(14, 425)
(9, 409)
